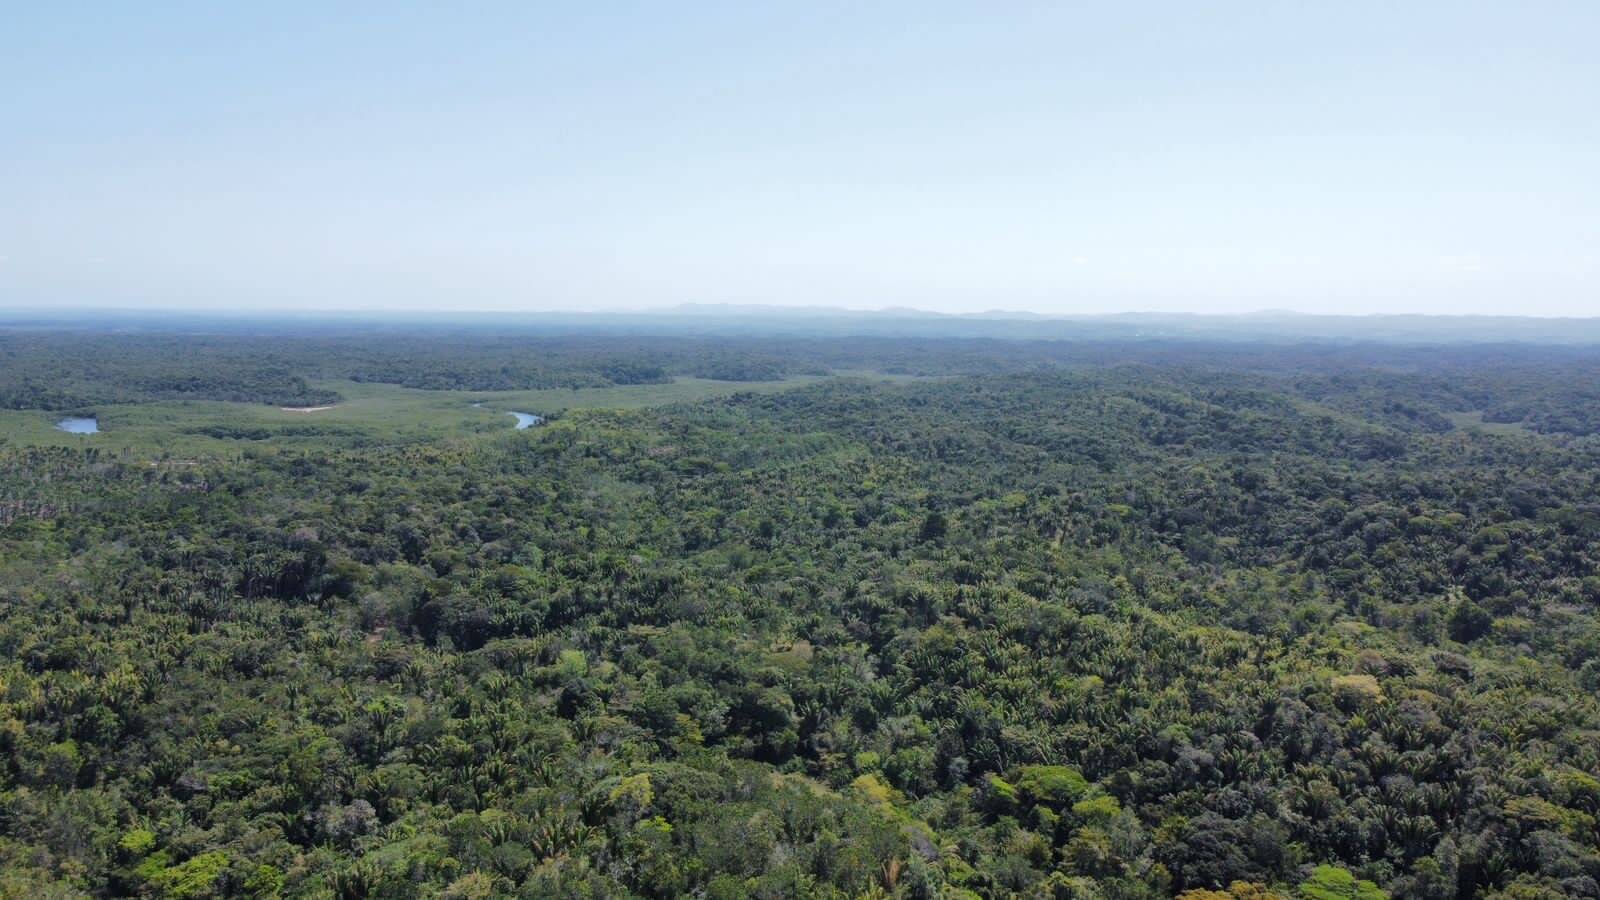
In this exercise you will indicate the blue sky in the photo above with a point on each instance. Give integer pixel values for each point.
(1061, 158)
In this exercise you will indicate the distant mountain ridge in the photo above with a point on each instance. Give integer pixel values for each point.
(823, 321)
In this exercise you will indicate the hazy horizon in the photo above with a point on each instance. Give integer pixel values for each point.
(691, 308)
(1431, 159)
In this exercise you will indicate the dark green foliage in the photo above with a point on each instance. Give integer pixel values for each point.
(1429, 388)
(1469, 621)
(1132, 632)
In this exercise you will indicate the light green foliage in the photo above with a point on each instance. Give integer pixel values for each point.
(572, 664)
(633, 790)
(137, 841)
(1003, 792)
(194, 878)
(1536, 812)
(1335, 883)
(872, 789)
(1055, 786)
(1098, 808)
(265, 882)
(1357, 690)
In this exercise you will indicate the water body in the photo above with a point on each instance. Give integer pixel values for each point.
(524, 420)
(77, 425)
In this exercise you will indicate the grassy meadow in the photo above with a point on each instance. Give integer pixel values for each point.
(369, 412)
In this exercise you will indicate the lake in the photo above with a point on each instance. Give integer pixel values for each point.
(78, 425)
(526, 420)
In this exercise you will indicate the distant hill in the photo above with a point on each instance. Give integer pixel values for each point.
(825, 321)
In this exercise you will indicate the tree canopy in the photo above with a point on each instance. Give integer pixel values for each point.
(1093, 632)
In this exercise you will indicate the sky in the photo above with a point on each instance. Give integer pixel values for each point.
(1066, 158)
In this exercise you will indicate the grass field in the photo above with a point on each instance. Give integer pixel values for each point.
(370, 412)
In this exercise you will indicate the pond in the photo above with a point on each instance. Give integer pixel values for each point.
(81, 425)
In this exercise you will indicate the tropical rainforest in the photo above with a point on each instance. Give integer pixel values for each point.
(1028, 619)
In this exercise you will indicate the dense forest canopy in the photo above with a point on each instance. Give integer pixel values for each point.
(1546, 388)
(1071, 619)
